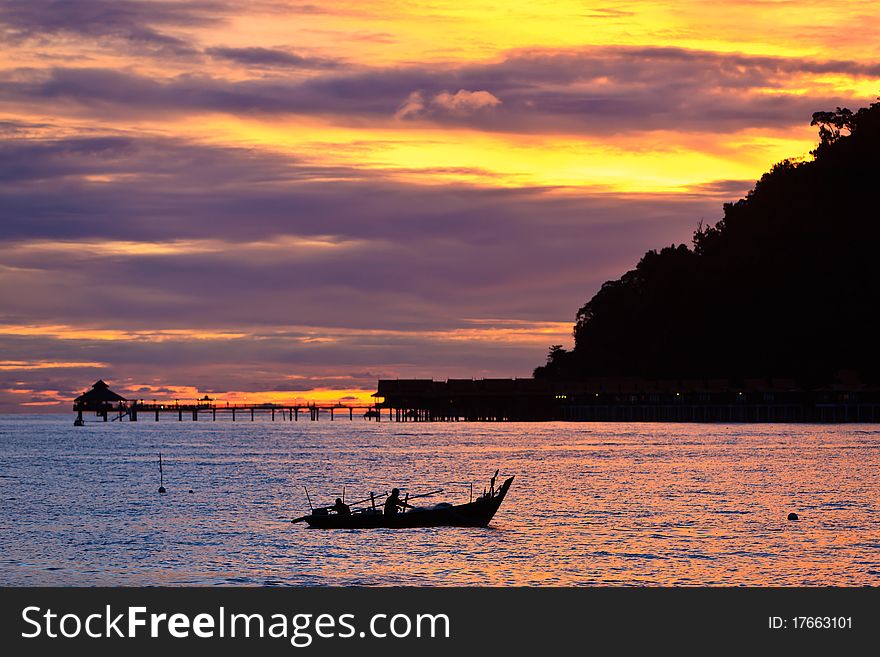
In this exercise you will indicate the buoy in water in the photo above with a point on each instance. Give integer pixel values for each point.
(793, 516)
(190, 490)
(161, 475)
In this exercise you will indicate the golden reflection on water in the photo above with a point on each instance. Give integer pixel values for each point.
(610, 504)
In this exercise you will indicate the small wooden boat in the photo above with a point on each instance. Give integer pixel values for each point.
(477, 513)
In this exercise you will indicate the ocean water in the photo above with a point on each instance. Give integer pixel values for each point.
(592, 504)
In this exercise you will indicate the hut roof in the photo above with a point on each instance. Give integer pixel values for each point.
(99, 394)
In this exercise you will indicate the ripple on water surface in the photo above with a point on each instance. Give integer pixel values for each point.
(593, 504)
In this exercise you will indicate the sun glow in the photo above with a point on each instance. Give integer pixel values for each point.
(655, 161)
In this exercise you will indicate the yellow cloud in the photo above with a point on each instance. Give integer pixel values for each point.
(70, 332)
(651, 161)
(16, 365)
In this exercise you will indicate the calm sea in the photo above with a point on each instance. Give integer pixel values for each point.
(618, 504)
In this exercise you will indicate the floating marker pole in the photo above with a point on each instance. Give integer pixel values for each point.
(161, 475)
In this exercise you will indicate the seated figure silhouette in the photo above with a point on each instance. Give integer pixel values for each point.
(341, 507)
(393, 503)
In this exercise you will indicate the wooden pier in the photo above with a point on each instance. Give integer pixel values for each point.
(134, 411)
(110, 406)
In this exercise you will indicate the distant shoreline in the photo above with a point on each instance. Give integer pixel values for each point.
(604, 415)
(622, 401)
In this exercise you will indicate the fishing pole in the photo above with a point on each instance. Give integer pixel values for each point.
(433, 492)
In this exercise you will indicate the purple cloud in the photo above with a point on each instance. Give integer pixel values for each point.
(270, 58)
(139, 23)
(591, 91)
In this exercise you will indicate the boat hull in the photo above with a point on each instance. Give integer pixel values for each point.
(473, 514)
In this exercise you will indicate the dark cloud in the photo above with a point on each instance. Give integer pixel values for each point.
(594, 91)
(730, 189)
(270, 58)
(109, 91)
(140, 23)
(26, 160)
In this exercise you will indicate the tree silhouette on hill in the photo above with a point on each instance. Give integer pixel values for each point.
(786, 284)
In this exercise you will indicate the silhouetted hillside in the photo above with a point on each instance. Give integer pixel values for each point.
(785, 285)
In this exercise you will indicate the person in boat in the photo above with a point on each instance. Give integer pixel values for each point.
(393, 503)
(341, 507)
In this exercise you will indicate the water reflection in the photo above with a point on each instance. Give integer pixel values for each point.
(639, 504)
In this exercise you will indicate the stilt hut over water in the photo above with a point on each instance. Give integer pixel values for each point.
(100, 399)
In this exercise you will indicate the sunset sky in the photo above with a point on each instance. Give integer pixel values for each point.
(289, 200)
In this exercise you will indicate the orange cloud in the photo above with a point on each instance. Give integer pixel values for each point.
(15, 365)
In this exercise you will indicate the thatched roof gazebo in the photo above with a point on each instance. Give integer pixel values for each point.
(99, 397)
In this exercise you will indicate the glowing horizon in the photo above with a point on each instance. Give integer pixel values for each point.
(345, 192)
